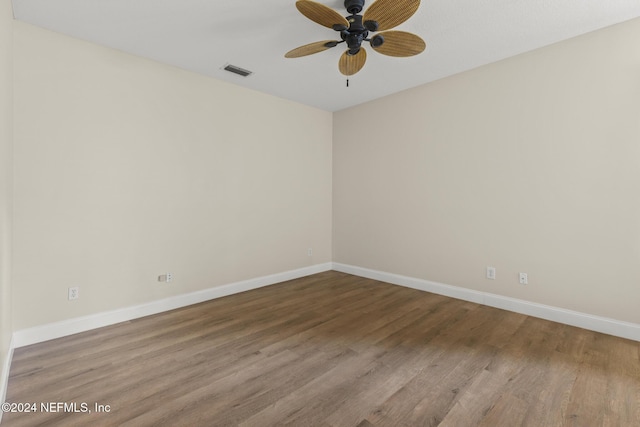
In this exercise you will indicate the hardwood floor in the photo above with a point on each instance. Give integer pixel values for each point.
(332, 350)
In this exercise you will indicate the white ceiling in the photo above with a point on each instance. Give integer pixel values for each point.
(205, 35)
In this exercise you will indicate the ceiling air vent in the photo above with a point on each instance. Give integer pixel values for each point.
(237, 70)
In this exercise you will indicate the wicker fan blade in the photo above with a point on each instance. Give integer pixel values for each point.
(310, 48)
(390, 13)
(400, 43)
(321, 14)
(351, 64)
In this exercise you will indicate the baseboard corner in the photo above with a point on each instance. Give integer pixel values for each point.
(4, 374)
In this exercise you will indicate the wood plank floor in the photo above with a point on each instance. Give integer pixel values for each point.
(332, 350)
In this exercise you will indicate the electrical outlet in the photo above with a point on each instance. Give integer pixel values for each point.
(524, 279)
(310, 252)
(491, 273)
(165, 277)
(74, 293)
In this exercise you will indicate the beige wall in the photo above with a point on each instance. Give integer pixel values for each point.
(126, 169)
(530, 165)
(6, 142)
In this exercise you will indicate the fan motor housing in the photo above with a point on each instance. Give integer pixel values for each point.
(355, 34)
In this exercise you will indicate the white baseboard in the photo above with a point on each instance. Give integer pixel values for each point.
(50, 331)
(4, 375)
(81, 324)
(582, 320)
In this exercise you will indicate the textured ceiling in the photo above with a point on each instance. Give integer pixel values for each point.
(204, 36)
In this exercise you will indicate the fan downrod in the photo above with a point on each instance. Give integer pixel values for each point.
(354, 6)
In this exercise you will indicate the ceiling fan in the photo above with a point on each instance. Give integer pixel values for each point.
(354, 29)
